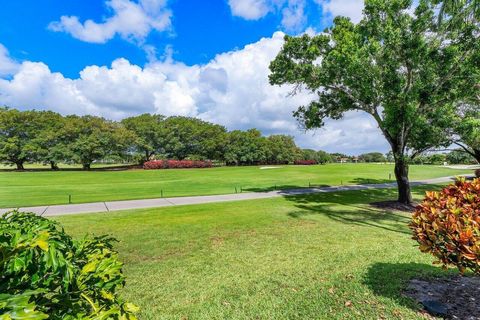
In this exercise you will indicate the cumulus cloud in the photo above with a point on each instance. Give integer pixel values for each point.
(292, 11)
(249, 9)
(232, 90)
(131, 20)
(347, 8)
(7, 65)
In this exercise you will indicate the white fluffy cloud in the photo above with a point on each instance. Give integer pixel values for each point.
(293, 11)
(249, 9)
(7, 65)
(131, 20)
(347, 8)
(232, 90)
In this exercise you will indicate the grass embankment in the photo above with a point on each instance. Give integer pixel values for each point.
(324, 256)
(48, 188)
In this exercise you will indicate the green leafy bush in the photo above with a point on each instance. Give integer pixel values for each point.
(447, 225)
(45, 274)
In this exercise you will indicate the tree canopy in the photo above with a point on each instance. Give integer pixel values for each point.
(50, 138)
(399, 67)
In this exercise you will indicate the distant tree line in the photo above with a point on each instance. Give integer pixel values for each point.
(50, 138)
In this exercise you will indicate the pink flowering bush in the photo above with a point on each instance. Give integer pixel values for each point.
(176, 164)
(305, 162)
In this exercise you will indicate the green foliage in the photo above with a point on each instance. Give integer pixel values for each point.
(459, 157)
(18, 131)
(190, 137)
(467, 127)
(372, 157)
(94, 138)
(281, 149)
(321, 157)
(447, 225)
(46, 274)
(47, 137)
(398, 67)
(148, 130)
(246, 147)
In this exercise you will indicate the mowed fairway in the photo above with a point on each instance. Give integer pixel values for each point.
(324, 256)
(48, 188)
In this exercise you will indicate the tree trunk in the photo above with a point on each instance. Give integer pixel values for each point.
(477, 155)
(401, 174)
(20, 165)
(53, 165)
(86, 166)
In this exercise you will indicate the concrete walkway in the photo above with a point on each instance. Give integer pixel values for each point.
(99, 207)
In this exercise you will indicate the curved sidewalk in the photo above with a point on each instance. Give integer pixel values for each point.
(98, 207)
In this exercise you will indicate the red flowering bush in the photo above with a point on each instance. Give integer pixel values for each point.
(305, 162)
(176, 164)
(477, 173)
(447, 225)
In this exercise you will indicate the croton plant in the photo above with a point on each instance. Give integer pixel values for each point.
(447, 225)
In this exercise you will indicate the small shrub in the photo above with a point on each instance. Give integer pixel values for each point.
(45, 274)
(447, 225)
(477, 173)
(176, 164)
(305, 162)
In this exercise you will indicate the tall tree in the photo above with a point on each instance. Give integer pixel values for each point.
(49, 140)
(17, 132)
(467, 130)
(281, 149)
(94, 138)
(246, 148)
(398, 67)
(187, 137)
(149, 132)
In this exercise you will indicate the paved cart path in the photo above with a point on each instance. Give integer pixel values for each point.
(99, 207)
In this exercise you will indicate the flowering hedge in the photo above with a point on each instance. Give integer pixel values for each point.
(447, 225)
(176, 164)
(305, 162)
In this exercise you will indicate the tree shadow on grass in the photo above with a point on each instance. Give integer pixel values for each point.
(283, 187)
(354, 207)
(391, 279)
(372, 181)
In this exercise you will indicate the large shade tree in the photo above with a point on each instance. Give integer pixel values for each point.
(17, 132)
(94, 138)
(187, 137)
(149, 132)
(404, 69)
(467, 130)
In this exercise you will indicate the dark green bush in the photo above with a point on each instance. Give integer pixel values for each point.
(45, 274)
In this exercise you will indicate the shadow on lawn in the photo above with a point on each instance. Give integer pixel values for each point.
(391, 279)
(355, 207)
(284, 187)
(371, 181)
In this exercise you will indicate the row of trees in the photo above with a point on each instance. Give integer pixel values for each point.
(415, 72)
(48, 137)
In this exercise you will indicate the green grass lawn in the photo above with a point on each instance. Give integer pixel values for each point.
(47, 187)
(324, 256)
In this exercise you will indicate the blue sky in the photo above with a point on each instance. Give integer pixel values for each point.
(208, 59)
(199, 30)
